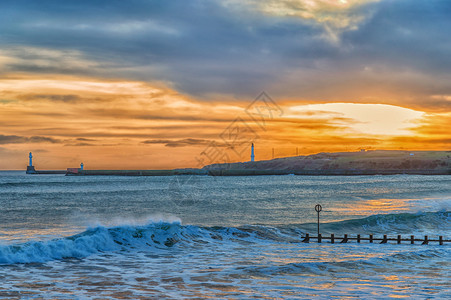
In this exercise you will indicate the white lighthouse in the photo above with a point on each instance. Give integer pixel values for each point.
(30, 167)
(252, 153)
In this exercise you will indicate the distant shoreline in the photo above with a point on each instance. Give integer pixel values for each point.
(322, 164)
(241, 172)
(379, 162)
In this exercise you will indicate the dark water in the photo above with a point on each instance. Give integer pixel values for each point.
(220, 237)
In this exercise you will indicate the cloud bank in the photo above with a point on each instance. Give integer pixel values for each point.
(106, 80)
(367, 51)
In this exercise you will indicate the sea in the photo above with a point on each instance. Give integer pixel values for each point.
(206, 237)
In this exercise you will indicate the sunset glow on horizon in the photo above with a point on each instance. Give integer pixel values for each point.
(151, 85)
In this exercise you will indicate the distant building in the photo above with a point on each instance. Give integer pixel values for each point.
(362, 150)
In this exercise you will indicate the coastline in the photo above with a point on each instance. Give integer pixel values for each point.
(379, 162)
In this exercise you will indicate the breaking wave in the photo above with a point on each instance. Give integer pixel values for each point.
(162, 236)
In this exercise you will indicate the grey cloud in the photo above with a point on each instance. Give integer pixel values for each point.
(78, 144)
(57, 98)
(15, 139)
(213, 50)
(179, 143)
(4, 101)
(205, 47)
(410, 33)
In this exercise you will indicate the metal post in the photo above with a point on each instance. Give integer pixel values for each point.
(332, 238)
(371, 238)
(358, 238)
(412, 239)
(399, 239)
(318, 208)
(440, 240)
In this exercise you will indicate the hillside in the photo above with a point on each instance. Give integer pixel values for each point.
(353, 163)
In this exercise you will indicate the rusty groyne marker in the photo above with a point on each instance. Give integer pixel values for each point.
(318, 208)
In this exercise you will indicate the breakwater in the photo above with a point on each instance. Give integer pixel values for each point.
(78, 172)
(31, 170)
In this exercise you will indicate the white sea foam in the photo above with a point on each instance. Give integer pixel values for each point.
(108, 250)
(162, 235)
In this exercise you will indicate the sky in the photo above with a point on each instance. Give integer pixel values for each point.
(145, 84)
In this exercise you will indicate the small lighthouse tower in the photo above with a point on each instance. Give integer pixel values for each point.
(82, 166)
(30, 167)
(252, 153)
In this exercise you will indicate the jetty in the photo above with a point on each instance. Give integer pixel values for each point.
(81, 172)
(33, 171)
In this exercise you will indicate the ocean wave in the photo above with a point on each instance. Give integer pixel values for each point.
(367, 260)
(417, 223)
(94, 240)
(161, 236)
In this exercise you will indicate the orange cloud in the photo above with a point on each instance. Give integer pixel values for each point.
(109, 124)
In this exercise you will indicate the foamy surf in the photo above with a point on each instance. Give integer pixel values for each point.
(164, 235)
(90, 238)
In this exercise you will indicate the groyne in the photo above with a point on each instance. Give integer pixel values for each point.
(371, 239)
